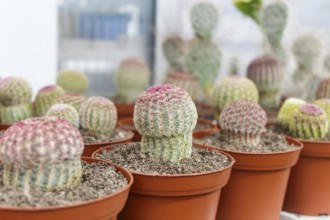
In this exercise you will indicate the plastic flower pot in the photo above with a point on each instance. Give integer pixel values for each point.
(124, 110)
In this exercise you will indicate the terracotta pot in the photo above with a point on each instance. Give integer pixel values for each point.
(308, 190)
(90, 148)
(4, 126)
(124, 110)
(257, 185)
(205, 111)
(104, 208)
(174, 197)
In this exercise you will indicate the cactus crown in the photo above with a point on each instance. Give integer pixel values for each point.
(72, 81)
(45, 98)
(174, 51)
(72, 99)
(243, 120)
(287, 109)
(14, 91)
(323, 89)
(66, 112)
(165, 116)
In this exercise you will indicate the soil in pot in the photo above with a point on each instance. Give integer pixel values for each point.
(104, 188)
(189, 189)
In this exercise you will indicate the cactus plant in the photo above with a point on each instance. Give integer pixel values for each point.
(325, 104)
(244, 121)
(309, 121)
(132, 77)
(72, 81)
(165, 116)
(41, 152)
(15, 90)
(14, 113)
(266, 72)
(323, 89)
(98, 117)
(45, 98)
(230, 89)
(287, 109)
(174, 51)
(66, 112)
(72, 99)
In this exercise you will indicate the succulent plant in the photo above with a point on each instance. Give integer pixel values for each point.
(325, 104)
(132, 77)
(14, 113)
(267, 74)
(174, 51)
(14, 91)
(72, 81)
(230, 89)
(98, 117)
(66, 112)
(233, 67)
(72, 99)
(45, 98)
(287, 109)
(41, 152)
(309, 121)
(323, 89)
(165, 116)
(244, 121)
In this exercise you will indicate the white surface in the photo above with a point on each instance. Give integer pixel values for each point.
(28, 40)
(290, 216)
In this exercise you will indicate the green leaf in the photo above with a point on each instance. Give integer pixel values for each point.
(249, 8)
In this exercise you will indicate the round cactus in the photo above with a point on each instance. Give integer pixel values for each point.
(15, 113)
(132, 77)
(41, 152)
(203, 60)
(325, 104)
(287, 109)
(72, 81)
(66, 112)
(174, 51)
(72, 99)
(267, 74)
(309, 121)
(165, 116)
(15, 91)
(323, 89)
(230, 89)
(244, 121)
(204, 19)
(98, 117)
(45, 98)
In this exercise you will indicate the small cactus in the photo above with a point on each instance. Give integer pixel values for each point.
(15, 91)
(165, 116)
(132, 77)
(230, 89)
(41, 152)
(72, 99)
(45, 98)
(243, 120)
(72, 81)
(309, 121)
(98, 117)
(174, 51)
(287, 109)
(267, 74)
(325, 104)
(66, 112)
(323, 89)
(14, 113)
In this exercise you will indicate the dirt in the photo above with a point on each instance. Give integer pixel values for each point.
(117, 134)
(131, 157)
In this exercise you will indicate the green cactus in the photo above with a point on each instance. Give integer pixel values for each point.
(244, 121)
(98, 117)
(41, 152)
(230, 89)
(165, 116)
(325, 104)
(45, 98)
(132, 77)
(309, 121)
(287, 109)
(174, 50)
(267, 74)
(15, 91)
(72, 99)
(66, 112)
(72, 81)
(15, 113)
(323, 89)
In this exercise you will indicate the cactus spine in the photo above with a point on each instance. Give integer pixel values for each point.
(287, 109)
(165, 116)
(72, 81)
(66, 112)
(45, 98)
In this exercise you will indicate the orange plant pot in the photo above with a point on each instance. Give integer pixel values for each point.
(124, 110)
(308, 190)
(175, 197)
(103, 208)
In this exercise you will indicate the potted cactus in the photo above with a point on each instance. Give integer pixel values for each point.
(72, 81)
(75, 100)
(65, 112)
(45, 98)
(43, 176)
(264, 159)
(168, 178)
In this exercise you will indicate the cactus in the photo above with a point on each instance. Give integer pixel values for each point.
(132, 77)
(244, 121)
(98, 117)
(72, 99)
(14, 113)
(72, 81)
(165, 116)
(309, 121)
(323, 89)
(230, 89)
(15, 91)
(41, 152)
(45, 98)
(66, 112)
(267, 74)
(287, 109)
(174, 51)
(325, 104)
(233, 67)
